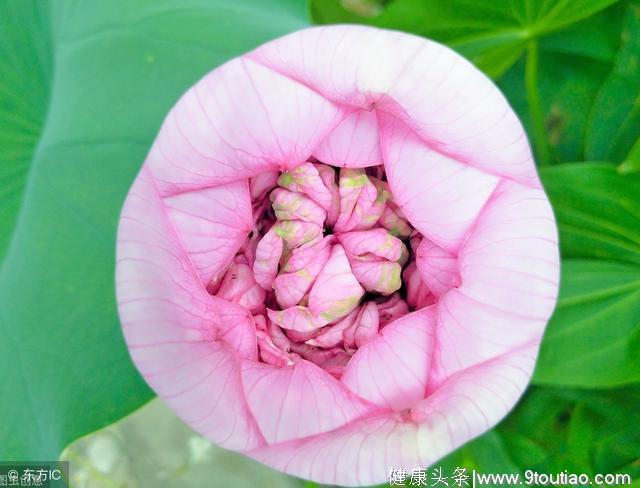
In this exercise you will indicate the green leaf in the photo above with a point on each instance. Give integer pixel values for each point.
(593, 339)
(492, 34)
(573, 65)
(84, 88)
(596, 38)
(25, 67)
(581, 431)
(598, 211)
(614, 124)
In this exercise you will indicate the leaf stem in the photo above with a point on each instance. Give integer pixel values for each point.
(535, 107)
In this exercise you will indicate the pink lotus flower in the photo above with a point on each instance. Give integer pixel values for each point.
(338, 257)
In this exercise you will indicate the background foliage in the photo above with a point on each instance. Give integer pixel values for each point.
(84, 86)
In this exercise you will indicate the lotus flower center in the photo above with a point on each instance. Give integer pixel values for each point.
(330, 262)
